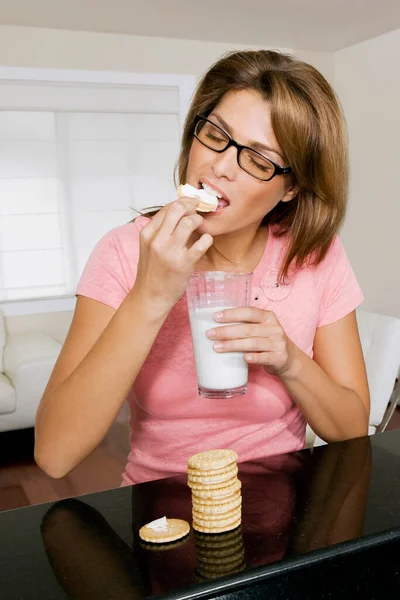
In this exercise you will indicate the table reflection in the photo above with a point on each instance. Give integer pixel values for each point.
(292, 504)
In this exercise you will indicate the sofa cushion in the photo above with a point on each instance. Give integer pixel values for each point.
(2, 341)
(28, 348)
(7, 396)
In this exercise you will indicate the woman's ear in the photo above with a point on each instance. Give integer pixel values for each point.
(290, 192)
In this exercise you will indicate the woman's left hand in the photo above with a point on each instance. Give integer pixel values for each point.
(258, 334)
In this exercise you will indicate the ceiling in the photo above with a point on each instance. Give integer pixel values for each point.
(320, 25)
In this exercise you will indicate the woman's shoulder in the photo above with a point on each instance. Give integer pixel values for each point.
(127, 232)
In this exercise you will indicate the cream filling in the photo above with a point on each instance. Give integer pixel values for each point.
(158, 524)
(206, 195)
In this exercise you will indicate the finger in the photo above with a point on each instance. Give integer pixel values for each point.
(186, 226)
(174, 213)
(239, 331)
(255, 344)
(171, 213)
(247, 314)
(199, 248)
(260, 358)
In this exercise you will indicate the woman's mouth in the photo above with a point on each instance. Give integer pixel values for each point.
(223, 202)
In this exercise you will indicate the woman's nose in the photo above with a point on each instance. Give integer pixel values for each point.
(225, 164)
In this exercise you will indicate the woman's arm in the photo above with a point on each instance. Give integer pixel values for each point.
(96, 368)
(105, 349)
(331, 390)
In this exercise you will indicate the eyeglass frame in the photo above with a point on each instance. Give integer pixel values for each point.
(278, 170)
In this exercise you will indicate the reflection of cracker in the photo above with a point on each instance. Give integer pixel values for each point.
(212, 459)
(213, 541)
(176, 529)
(162, 547)
(200, 577)
(216, 565)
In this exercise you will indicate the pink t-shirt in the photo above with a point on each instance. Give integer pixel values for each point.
(169, 420)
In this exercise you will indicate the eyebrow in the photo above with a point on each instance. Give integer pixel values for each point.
(252, 143)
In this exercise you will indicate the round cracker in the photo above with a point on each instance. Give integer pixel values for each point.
(176, 529)
(219, 521)
(213, 517)
(212, 471)
(196, 476)
(202, 206)
(222, 529)
(212, 486)
(217, 509)
(212, 459)
(217, 501)
(211, 492)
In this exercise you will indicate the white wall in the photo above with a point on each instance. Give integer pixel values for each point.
(367, 78)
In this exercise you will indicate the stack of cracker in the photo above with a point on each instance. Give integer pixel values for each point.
(216, 496)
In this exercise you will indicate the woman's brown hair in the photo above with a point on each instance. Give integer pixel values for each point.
(310, 129)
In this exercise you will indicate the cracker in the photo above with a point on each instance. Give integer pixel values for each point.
(200, 516)
(212, 459)
(212, 492)
(212, 471)
(215, 529)
(216, 500)
(196, 476)
(219, 521)
(212, 486)
(202, 206)
(215, 508)
(175, 530)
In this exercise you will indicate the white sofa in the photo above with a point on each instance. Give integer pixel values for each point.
(380, 340)
(26, 362)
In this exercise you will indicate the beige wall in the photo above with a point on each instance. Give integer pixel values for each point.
(50, 48)
(368, 82)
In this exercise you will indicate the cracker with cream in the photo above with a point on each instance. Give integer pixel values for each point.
(207, 196)
(164, 530)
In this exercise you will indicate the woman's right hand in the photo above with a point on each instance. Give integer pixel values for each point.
(166, 260)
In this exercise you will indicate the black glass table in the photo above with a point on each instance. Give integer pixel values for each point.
(316, 524)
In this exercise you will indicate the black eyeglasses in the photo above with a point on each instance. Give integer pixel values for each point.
(254, 163)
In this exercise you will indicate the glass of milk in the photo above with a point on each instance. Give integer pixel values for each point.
(219, 375)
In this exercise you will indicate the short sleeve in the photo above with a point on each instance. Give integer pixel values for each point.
(110, 271)
(341, 291)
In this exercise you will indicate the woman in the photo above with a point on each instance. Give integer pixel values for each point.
(266, 131)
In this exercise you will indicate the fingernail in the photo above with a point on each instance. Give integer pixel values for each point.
(218, 316)
(211, 333)
(249, 357)
(218, 346)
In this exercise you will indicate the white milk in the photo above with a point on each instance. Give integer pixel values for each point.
(215, 370)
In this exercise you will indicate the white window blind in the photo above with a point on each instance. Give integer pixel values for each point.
(75, 161)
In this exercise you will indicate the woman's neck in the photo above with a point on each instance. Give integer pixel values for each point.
(240, 251)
